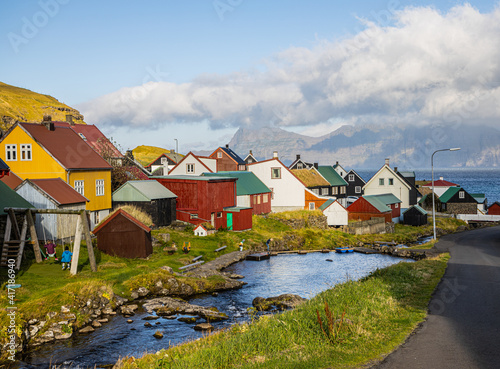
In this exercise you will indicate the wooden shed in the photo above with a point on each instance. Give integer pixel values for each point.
(123, 235)
(151, 197)
(373, 206)
(494, 208)
(53, 193)
(415, 216)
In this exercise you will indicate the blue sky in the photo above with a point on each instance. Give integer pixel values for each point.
(198, 70)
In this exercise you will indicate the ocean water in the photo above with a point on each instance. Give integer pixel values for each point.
(485, 181)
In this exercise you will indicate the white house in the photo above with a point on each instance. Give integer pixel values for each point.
(336, 214)
(202, 231)
(440, 186)
(387, 181)
(287, 191)
(339, 169)
(194, 165)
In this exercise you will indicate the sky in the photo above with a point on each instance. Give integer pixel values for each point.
(191, 73)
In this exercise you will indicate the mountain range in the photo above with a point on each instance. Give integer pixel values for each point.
(367, 147)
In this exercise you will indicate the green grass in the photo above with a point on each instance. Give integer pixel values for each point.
(380, 312)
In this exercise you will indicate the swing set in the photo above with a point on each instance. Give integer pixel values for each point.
(13, 249)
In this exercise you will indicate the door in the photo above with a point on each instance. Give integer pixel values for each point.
(212, 219)
(230, 221)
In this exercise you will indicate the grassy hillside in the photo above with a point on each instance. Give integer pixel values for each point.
(146, 154)
(19, 104)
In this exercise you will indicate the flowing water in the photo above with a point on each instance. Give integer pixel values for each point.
(304, 275)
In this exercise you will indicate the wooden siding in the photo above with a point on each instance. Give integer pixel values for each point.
(363, 210)
(494, 209)
(162, 211)
(311, 198)
(258, 205)
(89, 177)
(225, 163)
(242, 220)
(414, 217)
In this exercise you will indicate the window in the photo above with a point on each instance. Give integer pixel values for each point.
(351, 177)
(265, 198)
(396, 206)
(11, 152)
(272, 192)
(96, 217)
(342, 190)
(324, 191)
(25, 152)
(189, 168)
(335, 190)
(193, 216)
(219, 154)
(219, 214)
(391, 181)
(258, 199)
(242, 167)
(300, 166)
(461, 195)
(99, 187)
(164, 161)
(380, 181)
(312, 206)
(80, 187)
(315, 191)
(357, 189)
(275, 173)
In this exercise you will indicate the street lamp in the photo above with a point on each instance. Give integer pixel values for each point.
(433, 206)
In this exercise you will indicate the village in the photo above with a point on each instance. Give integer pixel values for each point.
(70, 167)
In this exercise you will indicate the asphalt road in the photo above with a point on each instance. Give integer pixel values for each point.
(463, 326)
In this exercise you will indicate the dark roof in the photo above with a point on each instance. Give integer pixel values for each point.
(11, 199)
(61, 192)
(422, 211)
(3, 166)
(12, 180)
(233, 155)
(126, 215)
(247, 184)
(66, 146)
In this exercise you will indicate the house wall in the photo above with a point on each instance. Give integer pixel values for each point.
(461, 208)
(242, 220)
(351, 188)
(225, 163)
(398, 189)
(311, 198)
(288, 191)
(414, 218)
(181, 168)
(367, 216)
(162, 211)
(336, 215)
(123, 238)
(41, 165)
(494, 209)
(260, 203)
(89, 177)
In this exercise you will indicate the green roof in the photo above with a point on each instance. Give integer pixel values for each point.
(326, 204)
(381, 202)
(142, 191)
(418, 208)
(450, 192)
(331, 175)
(247, 184)
(11, 199)
(479, 197)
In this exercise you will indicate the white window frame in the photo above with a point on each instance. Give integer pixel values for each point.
(342, 190)
(461, 194)
(312, 206)
(278, 173)
(190, 168)
(324, 191)
(219, 154)
(315, 191)
(11, 152)
(381, 182)
(335, 190)
(391, 181)
(396, 206)
(357, 189)
(99, 187)
(265, 198)
(300, 166)
(79, 186)
(193, 216)
(351, 178)
(25, 152)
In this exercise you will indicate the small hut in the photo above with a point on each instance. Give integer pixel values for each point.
(151, 197)
(415, 216)
(123, 235)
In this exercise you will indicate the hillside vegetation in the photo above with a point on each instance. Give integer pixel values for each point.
(146, 154)
(19, 104)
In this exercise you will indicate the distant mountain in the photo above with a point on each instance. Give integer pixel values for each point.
(366, 147)
(19, 104)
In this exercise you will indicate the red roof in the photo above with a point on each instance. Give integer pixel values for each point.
(126, 215)
(66, 146)
(441, 183)
(59, 190)
(12, 180)
(94, 137)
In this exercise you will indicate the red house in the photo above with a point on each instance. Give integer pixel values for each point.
(208, 199)
(372, 206)
(494, 208)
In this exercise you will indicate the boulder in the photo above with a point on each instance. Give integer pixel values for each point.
(204, 327)
(187, 319)
(151, 317)
(282, 302)
(87, 329)
(158, 335)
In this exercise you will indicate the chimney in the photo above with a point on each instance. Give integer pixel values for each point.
(227, 146)
(47, 122)
(69, 119)
(275, 154)
(337, 163)
(298, 156)
(129, 154)
(251, 152)
(316, 165)
(441, 178)
(387, 161)
(396, 169)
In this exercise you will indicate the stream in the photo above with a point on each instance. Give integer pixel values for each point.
(304, 275)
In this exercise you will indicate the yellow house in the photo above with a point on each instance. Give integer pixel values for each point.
(49, 150)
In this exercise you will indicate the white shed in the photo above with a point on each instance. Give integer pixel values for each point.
(336, 214)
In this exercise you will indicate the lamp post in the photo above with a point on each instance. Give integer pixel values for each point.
(432, 170)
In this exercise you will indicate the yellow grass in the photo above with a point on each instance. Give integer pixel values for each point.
(137, 213)
(146, 154)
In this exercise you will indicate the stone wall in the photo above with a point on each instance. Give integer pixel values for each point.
(462, 208)
(372, 226)
(313, 221)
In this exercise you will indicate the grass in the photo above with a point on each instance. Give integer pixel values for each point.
(377, 314)
(146, 154)
(45, 287)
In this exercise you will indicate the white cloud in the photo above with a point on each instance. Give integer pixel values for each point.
(426, 67)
